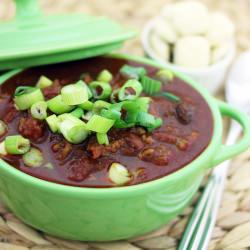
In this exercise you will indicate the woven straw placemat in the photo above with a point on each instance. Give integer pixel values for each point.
(232, 231)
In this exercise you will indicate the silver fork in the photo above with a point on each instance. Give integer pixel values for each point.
(199, 229)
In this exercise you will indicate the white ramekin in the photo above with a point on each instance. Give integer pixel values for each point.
(211, 76)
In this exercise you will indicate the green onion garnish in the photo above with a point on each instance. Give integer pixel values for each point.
(165, 75)
(25, 97)
(73, 129)
(114, 96)
(158, 123)
(90, 95)
(3, 128)
(39, 110)
(53, 123)
(48, 165)
(169, 96)
(149, 121)
(140, 104)
(104, 76)
(78, 112)
(133, 72)
(99, 124)
(145, 119)
(112, 114)
(100, 90)
(88, 115)
(44, 82)
(102, 138)
(119, 174)
(33, 158)
(2, 148)
(16, 144)
(98, 105)
(57, 106)
(74, 94)
(88, 105)
(130, 90)
(150, 85)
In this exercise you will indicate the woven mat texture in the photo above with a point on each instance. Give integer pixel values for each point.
(233, 222)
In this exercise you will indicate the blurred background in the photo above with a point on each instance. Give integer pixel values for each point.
(136, 13)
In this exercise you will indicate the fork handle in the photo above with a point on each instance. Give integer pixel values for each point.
(199, 229)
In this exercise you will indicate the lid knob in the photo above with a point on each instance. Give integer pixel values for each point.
(27, 9)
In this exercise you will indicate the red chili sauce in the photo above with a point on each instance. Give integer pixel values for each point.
(186, 131)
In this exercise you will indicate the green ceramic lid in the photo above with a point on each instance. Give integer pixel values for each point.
(35, 39)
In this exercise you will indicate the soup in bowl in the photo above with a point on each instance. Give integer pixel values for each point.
(107, 148)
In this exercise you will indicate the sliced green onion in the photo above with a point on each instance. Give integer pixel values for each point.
(165, 75)
(73, 129)
(74, 94)
(104, 76)
(114, 96)
(3, 149)
(88, 115)
(57, 106)
(111, 114)
(25, 97)
(99, 124)
(131, 117)
(100, 90)
(33, 158)
(88, 105)
(3, 128)
(170, 96)
(53, 123)
(49, 165)
(148, 121)
(130, 90)
(115, 113)
(78, 112)
(90, 95)
(98, 105)
(102, 138)
(157, 124)
(133, 72)
(140, 104)
(150, 85)
(21, 90)
(44, 82)
(16, 144)
(123, 124)
(145, 119)
(118, 174)
(39, 110)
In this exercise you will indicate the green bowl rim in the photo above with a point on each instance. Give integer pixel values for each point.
(196, 165)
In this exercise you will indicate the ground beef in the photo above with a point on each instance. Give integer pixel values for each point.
(31, 128)
(158, 155)
(10, 114)
(79, 169)
(96, 150)
(62, 149)
(132, 145)
(52, 90)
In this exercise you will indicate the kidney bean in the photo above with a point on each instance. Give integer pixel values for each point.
(184, 113)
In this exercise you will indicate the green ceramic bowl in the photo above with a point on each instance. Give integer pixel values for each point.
(93, 214)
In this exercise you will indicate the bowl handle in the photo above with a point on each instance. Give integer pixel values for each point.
(227, 152)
